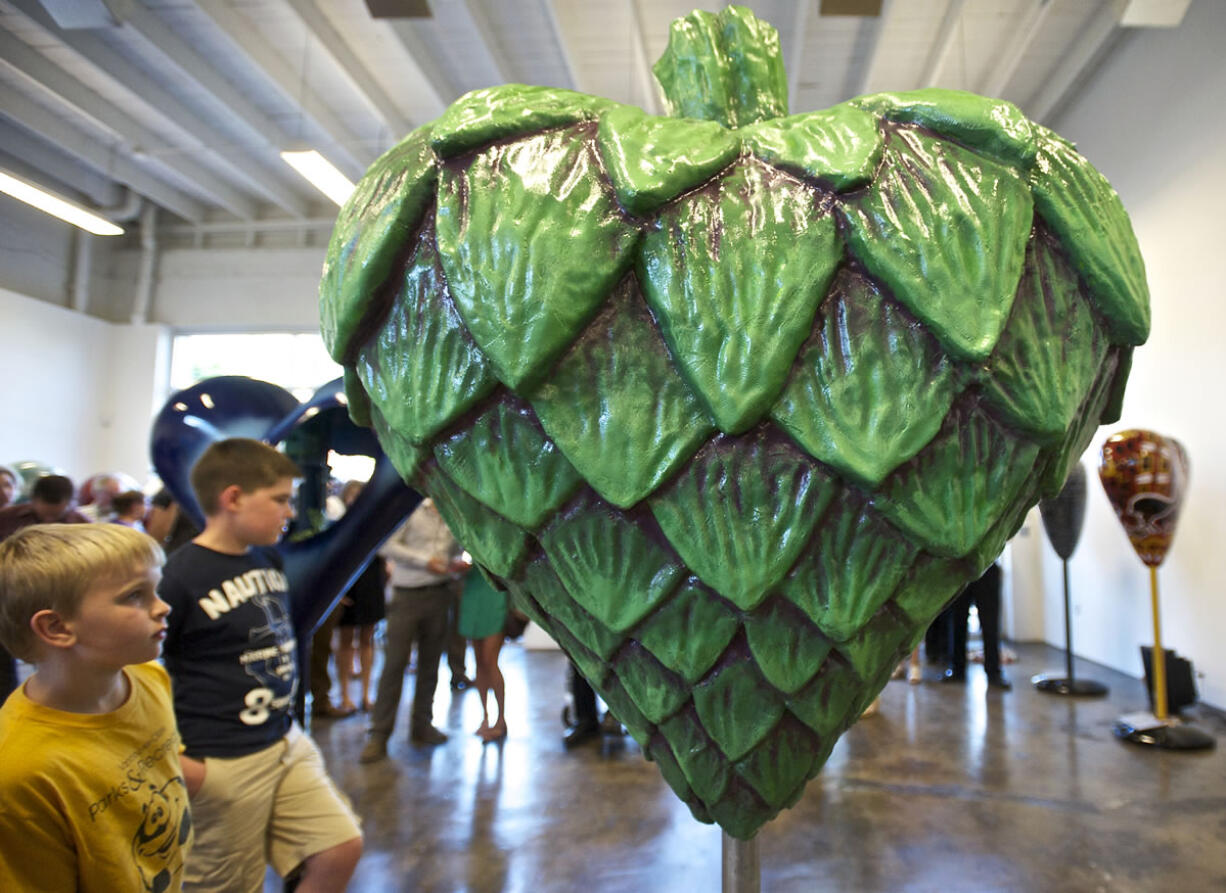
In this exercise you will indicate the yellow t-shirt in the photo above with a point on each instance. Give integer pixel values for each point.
(93, 802)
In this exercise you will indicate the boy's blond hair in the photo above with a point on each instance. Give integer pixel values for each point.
(250, 464)
(52, 566)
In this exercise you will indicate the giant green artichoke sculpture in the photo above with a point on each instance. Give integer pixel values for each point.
(732, 402)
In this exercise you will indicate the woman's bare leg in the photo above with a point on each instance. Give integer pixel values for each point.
(490, 678)
(366, 661)
(344, 665)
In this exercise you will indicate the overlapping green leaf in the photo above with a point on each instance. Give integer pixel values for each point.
(1080, 206)
(734, 313)
(742, 511)
(483, 116)
(616, 406)
(840, 146)
(652, 160)
(525, 307)
(870, 387)
(371, 230)
(505, 460)
(946, 231)
(1050, 353)
(423, 350)
(689, 632)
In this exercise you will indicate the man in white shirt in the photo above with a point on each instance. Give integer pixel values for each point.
(425, 561)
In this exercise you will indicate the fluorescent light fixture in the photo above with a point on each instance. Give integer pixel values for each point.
(321, 174)
(56, 206)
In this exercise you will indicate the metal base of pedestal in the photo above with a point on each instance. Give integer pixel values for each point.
(1061, 685)
(1166, 737)
(742, 871)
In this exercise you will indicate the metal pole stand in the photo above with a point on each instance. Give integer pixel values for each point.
(1157, 729)
(1067, 684)
(742, 870)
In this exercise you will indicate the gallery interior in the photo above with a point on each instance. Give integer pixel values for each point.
(176, 123)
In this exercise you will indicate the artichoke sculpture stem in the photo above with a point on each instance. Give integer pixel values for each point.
(726, 68)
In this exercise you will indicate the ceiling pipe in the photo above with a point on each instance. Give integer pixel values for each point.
(143, 299)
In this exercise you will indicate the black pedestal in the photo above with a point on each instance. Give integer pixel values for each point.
(1062, 685)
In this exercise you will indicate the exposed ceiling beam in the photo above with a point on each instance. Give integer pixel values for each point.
(136, 82)
(33, 117)
(1019, 42)
(431, 79)
(32, 158)
(943, 43)
(345, 149)
(800, 29)
(652, 104)
(876, 52)
(351, 66)
(555, 28)
(476, 19)
(34, 65)
(1084, 48)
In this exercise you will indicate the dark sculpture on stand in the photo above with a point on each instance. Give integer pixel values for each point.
(1145, 476)
(733, 402)
(321, 566)
(1063, 516)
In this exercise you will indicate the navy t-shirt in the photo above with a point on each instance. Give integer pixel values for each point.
(229, 649)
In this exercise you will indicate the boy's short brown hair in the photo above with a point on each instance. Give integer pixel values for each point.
(249, 464)
(52, 566)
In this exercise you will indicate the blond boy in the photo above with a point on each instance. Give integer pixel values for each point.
(92, 797)
(260, 791)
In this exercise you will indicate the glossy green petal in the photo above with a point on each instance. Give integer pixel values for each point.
(524, 307)
(840, 146)
(422, 369)
(875, 650)
(403, 454)
(778, 768)
(734, 311)
(495, 543)
(788, 649)
(989, 125)
(706, 768)
(1086, 214)
(741, 512)
(851, 567)
(689, 632)
(826, 705)
(495, 113)
(949, 495)
(616, 406)
(1051, 351)
(657, 691)
(550, 593)
(1089, 417)
(652, 160)
(737, 707)
(946, 231)
(611, 567)
(505, 460)
(371, 230)
(870, 388)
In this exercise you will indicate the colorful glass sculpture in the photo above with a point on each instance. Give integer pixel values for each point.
(1144, 475)
(733, 402)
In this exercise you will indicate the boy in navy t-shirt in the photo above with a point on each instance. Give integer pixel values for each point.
(258, 786)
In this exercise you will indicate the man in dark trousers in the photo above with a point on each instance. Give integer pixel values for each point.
(984, 593)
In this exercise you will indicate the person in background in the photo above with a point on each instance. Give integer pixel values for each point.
(426, 559)
(50, 501)
(260, 791)
(365, 604)
(130, 508)
(984, 593)
(483, 618)
(103, 488)
(10, 485)
(168, 523)
(93, 791)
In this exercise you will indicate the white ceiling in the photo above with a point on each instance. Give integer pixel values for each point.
(187, 103)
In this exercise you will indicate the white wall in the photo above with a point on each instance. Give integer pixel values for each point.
(78, 392)
(1151, 120)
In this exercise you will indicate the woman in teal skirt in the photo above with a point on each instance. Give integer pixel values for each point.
(483, 618)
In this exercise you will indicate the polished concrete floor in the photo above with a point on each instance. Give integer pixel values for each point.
(947, 788)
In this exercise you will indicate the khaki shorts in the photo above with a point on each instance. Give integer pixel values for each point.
(276, 806)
